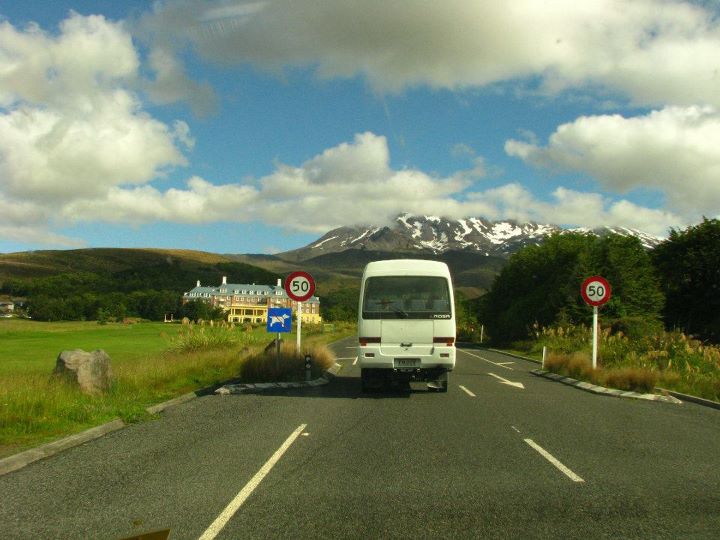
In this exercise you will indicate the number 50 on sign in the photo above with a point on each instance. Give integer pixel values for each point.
(596, 291)
(300, 286)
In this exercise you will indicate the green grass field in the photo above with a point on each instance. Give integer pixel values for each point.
(151, 363)
(32, 347)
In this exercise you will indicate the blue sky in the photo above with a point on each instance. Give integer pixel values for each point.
(255, 127)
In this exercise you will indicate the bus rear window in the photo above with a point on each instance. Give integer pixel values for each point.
(406, 297)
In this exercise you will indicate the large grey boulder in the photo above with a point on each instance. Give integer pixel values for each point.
(89, 370)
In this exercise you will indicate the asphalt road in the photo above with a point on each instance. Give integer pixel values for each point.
(331, 462)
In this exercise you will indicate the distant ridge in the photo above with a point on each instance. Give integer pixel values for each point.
(436, 235)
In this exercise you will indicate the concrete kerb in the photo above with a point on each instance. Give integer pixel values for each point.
(18, 461)
(693, 399)
(588, 387)
(250, 388)
(22, 459)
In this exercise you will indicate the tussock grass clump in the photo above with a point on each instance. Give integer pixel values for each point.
(223, 336)
(192, 339)
(576, 365)
(579, 366)
(634, 379)
(264, 366)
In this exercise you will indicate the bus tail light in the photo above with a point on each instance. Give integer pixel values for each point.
(365, 340)
(448, 341)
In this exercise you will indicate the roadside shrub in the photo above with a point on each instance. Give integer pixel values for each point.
(633, 379)
(675, 360)
(265, 366)
(191, 339)
(636, 327)
(576, 365)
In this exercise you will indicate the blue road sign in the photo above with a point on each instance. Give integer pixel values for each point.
(279, 319)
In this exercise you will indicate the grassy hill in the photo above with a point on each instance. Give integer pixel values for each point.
(161, 269)
(97, 283)
(78, 284)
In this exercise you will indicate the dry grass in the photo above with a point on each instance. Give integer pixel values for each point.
(579, 366)
(576, 365)
(35, 409)
(265, 366)
(634, 379)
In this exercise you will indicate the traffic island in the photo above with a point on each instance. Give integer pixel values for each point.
(595, 389)
(255, 388)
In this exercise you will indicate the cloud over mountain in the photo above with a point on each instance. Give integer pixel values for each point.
(81, 139)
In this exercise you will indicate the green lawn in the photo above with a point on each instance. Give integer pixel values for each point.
(150, 364)
(32, 347)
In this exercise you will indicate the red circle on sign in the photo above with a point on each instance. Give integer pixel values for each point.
(596, 290)
(300, 286)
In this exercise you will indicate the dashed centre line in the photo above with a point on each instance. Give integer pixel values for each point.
(468, 392)
(547, 455)
(214, 529)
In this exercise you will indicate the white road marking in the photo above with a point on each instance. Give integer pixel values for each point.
(468, 392)
(516, 429)
(504, 363)
(509, 383)
(547, 455)
(489, 361)
(220, 522)
(355, 361)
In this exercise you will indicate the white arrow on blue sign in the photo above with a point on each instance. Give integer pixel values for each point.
(279, 319)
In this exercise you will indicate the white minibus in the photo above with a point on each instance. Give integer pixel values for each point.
(406, 323)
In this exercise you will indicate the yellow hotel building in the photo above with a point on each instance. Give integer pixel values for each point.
(244, 302)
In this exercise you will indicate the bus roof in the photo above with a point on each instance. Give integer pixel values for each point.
(407, 267)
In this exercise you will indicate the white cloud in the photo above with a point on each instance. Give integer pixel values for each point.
(318, 195)
(673, 151)
(77, 146)
(573, 209)
(59, 154)
(71, 126)
(89, 56)
(171, 84)
(654, 51)
(351, 183)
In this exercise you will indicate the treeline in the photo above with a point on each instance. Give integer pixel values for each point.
(148, 292)
(676, 285)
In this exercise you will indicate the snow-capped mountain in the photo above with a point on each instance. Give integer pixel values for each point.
(431, 234)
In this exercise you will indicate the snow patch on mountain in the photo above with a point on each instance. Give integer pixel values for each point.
(435, 234)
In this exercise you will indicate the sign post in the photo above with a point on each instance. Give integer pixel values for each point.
(299, 286)
(596, 291)
(279, 320)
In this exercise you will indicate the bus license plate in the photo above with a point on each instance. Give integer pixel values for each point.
(407, 362)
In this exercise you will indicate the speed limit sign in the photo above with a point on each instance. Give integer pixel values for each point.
(300, 286)
(595, 290)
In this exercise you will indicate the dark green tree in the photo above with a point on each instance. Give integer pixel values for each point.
(689, 265)
(341, 305)
(541, 284)
(635, 307)
(197, 310)
(538, 284)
